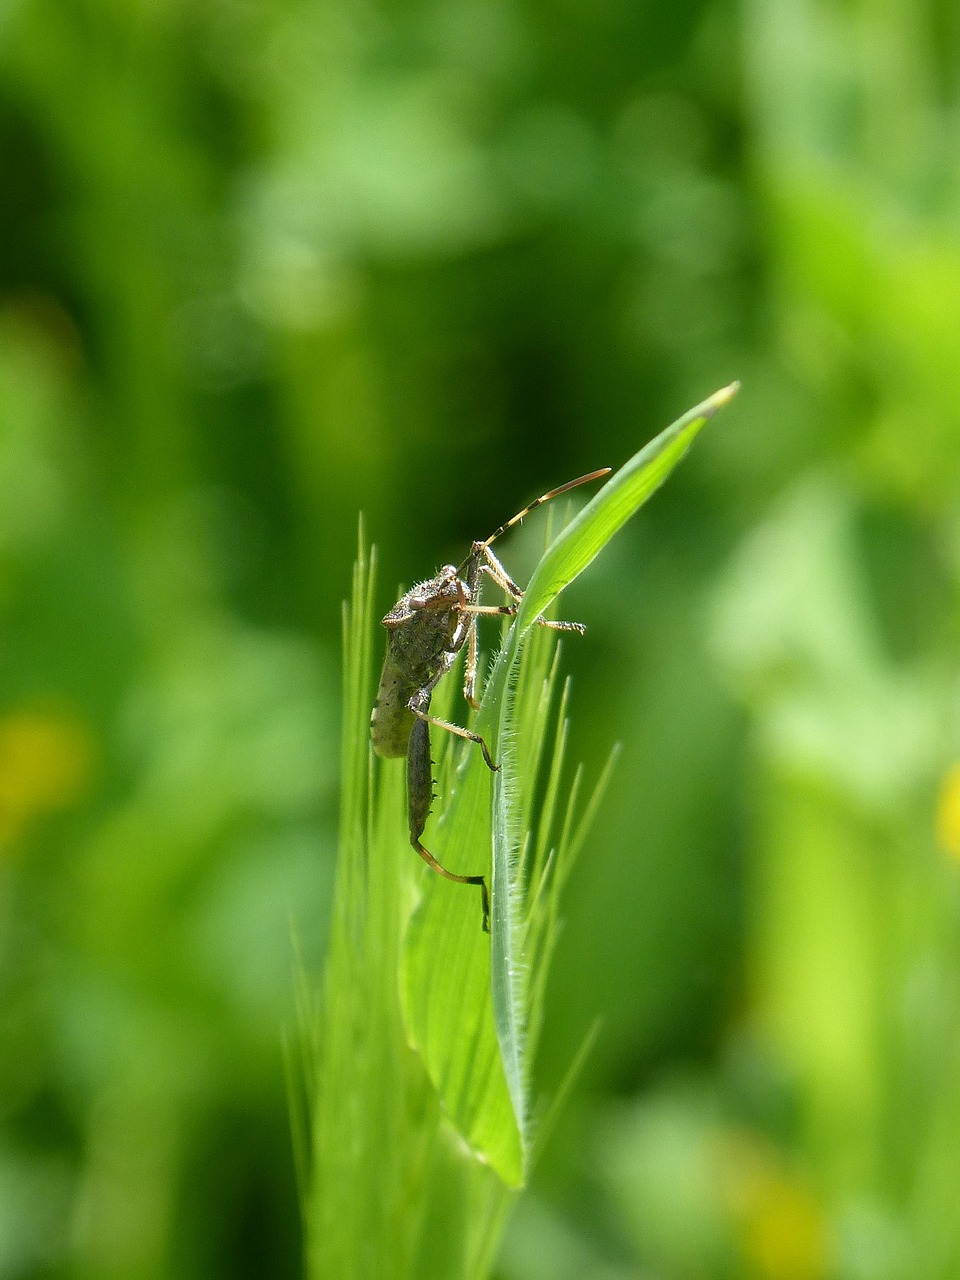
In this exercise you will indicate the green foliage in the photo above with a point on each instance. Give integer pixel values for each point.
(387, 1189)
(264, 265)
(468, 1017)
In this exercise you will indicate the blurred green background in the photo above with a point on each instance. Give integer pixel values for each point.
(265, 264)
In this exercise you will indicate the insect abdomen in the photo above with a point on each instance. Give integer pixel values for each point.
(419, 780)
(392, 720)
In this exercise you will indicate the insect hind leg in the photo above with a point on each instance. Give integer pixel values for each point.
(431, 862)
(419, 796)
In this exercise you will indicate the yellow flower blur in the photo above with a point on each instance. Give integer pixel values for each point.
(948, 812)
(45, 764)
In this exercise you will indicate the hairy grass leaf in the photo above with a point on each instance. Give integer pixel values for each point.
(466, 995)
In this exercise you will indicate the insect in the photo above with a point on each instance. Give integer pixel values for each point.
(426, 629)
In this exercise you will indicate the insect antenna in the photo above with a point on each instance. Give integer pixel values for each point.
(554, 493)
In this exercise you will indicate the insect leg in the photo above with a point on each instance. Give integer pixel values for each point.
(470, 669)
(555, 624)
(503, 580)
(419, 797)
(510, 610)
(498, 573)
(421, 700)
(426, 718)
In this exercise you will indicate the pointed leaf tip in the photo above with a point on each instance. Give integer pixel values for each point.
(722, 397)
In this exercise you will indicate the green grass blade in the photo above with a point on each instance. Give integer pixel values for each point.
(446, 981)
(387, 1190)
(466, 995)
(622, 495)
(567, 556)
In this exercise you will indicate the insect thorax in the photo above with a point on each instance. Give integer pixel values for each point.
(424, 629)
(425, 625)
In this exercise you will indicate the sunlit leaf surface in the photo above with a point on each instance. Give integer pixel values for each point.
(465, 999)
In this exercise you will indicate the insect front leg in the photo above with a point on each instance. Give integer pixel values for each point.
(419, 800)
(494, 569)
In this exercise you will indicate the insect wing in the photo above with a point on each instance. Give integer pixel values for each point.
(392, 719)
